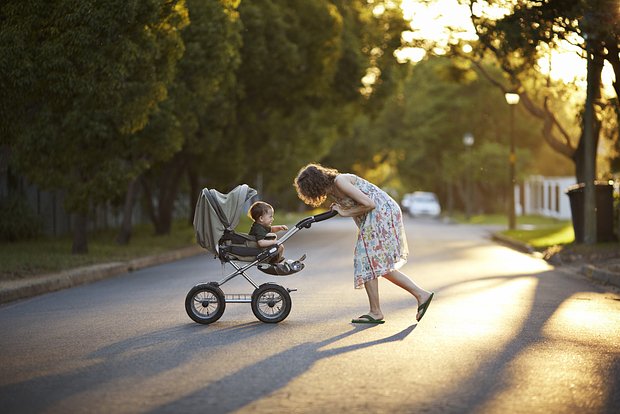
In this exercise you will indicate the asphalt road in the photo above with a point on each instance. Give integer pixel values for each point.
(505, 333)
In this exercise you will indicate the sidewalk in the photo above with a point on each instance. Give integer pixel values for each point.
(20, 289)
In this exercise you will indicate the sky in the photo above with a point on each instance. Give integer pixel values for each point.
(432, 22)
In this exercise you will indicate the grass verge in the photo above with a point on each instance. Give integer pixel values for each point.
(545, 236)
(537, 231)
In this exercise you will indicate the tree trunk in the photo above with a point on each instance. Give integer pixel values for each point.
(579, 154)
(80, 241)
(124, 234)
(167, 183)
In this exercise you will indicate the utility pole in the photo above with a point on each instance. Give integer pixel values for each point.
(589, 209)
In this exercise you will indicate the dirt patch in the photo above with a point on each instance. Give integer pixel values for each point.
(606, 256)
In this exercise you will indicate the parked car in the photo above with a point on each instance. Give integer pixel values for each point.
(421, 203)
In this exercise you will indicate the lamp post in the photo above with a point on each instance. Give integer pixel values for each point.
(513, 100)
(468, 141)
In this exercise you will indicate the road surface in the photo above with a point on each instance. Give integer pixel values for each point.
(506, 332)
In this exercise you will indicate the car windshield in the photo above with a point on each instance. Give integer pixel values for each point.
(428, 198)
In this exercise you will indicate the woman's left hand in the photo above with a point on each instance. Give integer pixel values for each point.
(336, 207)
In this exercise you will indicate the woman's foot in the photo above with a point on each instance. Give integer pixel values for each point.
(369, 318)
(423, 306)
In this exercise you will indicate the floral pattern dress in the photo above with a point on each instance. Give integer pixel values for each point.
(381, 245)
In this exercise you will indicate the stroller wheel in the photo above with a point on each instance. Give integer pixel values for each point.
(271, 303)
(205, 303)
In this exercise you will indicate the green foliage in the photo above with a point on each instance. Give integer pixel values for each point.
(531, 30)
(199, 109)
(17, 220)
(289, 60)
(82, 77)
(300, 83)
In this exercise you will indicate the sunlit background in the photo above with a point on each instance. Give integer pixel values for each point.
(443, 20)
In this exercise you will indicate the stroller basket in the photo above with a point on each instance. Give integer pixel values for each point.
(238, 297)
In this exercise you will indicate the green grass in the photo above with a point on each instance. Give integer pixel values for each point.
(538, 231)
(502, 219)
(544, 236)
(47, 255)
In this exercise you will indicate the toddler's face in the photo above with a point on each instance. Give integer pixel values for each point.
(266, 219)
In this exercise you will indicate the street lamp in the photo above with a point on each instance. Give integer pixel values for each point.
(468, 141)
(513, 100)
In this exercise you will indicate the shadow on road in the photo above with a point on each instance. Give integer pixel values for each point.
(494, 377)
(146, 356)
(139, 357)
(267, 376)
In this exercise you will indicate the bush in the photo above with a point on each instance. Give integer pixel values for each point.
(17, 220)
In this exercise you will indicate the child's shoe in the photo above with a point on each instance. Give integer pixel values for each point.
(283, 268)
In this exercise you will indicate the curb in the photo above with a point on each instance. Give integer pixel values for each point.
(515, 244)
(21, 289)
(592, 272)
(600, 275)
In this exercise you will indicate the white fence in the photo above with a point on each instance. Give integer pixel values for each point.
(545, 196)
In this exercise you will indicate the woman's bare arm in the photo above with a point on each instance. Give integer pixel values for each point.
(364, 203)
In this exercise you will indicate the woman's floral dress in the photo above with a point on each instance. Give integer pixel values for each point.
(381, 245)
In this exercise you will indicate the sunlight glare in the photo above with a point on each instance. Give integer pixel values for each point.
(491, 302)
(433, 21)
(378, 10)
(568, 64)
(445, 21)
(409, 54)
(579, 317)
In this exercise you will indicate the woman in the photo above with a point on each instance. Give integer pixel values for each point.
(381, 247)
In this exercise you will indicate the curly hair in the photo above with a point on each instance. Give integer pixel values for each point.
(313, 182)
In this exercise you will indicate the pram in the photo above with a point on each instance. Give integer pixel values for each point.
(215, 218)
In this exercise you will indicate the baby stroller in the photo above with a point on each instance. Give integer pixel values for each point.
(215, 218)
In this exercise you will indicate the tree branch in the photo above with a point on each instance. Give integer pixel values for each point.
(561, 145)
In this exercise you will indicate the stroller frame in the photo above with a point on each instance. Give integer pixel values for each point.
(271, 303)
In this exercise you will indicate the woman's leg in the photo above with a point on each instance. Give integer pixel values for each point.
(403, 281)
(372, 290)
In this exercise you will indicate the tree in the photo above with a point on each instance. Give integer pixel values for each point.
(80, 79)
(202, 100)
(420, 132)
(290, 55)
(368, 75)
(516, 39)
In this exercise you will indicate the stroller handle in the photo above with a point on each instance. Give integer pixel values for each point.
(307, 222)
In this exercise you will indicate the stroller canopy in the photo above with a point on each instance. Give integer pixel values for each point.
(216, 212)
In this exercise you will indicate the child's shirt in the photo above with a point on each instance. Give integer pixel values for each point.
(259, 231)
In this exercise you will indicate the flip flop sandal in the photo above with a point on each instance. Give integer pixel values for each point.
(367, 319)
(423, 307)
